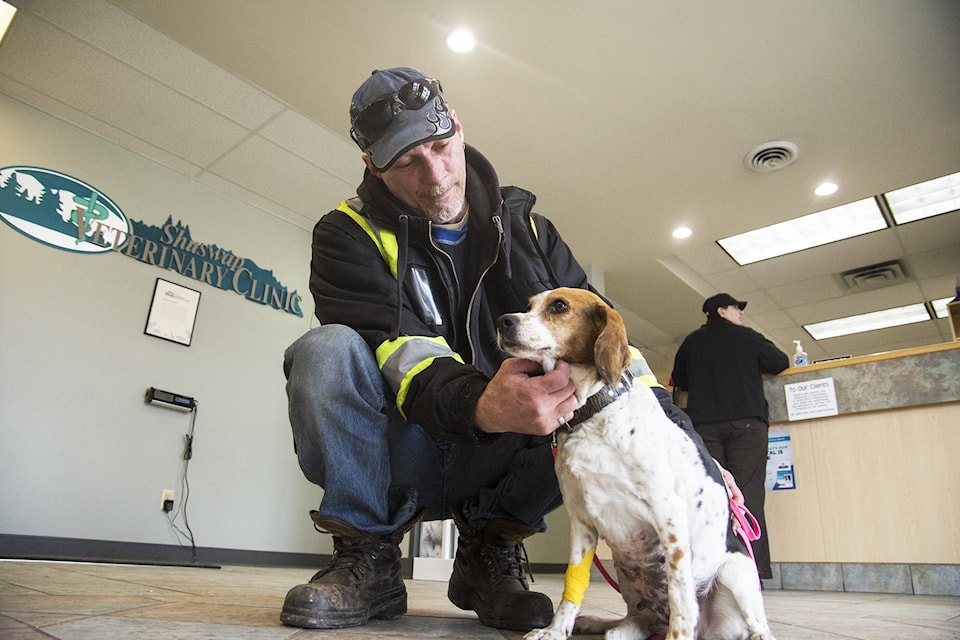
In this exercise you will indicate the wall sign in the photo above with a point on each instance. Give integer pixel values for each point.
(811, 399)
(69, 214)
(59, 210)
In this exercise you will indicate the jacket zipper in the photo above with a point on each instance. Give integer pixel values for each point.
(453, 295)
(473, 297)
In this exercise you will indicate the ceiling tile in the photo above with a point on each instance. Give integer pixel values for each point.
(734, 282)
(62, 111)
(268, 206)
(57, 64)
(315, 143)
(940, 286)
(706, 258)
(938, 262)
(262, 166)
(121, 35)
(758, 299)
(857, 303)
(772, 320)
(807, 291)
(931, 233)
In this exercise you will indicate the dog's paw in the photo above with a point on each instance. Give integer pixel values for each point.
(548, 633)
(562, 625)
(762, 635)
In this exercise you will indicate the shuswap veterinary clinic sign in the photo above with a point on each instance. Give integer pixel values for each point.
(64, 212)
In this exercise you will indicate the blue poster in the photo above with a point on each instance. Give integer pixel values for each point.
(779, 462)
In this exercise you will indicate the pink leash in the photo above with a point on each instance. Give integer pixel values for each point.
(749, 527)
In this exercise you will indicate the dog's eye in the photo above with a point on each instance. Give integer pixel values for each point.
(559, 306)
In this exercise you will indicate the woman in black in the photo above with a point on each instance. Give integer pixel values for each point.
(721, 367)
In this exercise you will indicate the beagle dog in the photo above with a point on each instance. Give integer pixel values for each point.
(631, 476)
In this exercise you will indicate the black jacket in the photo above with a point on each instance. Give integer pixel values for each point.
(435, 333)
(721, 366)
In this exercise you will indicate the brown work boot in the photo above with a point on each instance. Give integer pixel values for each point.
(488, 577)
(362, 581)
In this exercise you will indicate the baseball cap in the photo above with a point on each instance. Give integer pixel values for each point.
(395, 110)
(721, 300)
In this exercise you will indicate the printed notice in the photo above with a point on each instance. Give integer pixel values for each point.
(779, 462)
(811, 399)
(173, 312)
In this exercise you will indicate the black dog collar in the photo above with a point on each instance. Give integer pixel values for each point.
(601, 399)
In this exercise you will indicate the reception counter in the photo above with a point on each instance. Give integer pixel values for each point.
(877, 500)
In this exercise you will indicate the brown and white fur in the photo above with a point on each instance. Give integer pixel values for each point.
(629, 475)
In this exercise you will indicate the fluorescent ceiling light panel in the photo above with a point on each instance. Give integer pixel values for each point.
(940, 306)
(7, 11)
(868, 321)
(924, 200)
(813, 230)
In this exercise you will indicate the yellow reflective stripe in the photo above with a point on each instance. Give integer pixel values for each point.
(405, 384)
(577, 578)
(650, 381)
(641, 370)
(402, 359)
(533, 226)
(386, 241)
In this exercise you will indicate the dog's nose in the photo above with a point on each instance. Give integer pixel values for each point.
(506, 322)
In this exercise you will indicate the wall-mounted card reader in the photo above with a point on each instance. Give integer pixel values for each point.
(169, 400)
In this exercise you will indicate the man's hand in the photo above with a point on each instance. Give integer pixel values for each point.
(522, 399)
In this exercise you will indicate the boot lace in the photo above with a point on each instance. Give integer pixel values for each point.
(509, 560)
(352, 555)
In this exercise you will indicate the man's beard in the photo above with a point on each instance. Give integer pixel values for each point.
(447, 213)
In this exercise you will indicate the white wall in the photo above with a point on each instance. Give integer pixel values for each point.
(81, 455)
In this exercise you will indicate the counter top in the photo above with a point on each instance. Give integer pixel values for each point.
(874, 357)
(904, 378)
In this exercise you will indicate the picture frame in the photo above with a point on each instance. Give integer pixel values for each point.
(173, 312)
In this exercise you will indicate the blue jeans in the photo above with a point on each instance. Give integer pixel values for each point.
(377, 470)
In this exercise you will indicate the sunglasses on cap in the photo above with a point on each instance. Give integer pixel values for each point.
(371, 123)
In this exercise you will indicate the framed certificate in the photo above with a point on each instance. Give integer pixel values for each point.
(173, 312)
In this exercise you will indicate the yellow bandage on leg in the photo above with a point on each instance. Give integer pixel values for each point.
(577, 578)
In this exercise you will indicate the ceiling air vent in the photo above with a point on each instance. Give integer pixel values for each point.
(876, 275)
(771, 156)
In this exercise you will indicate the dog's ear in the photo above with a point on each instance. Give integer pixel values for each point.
(611, 352)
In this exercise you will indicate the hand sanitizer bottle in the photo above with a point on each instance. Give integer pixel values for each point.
(799, 356)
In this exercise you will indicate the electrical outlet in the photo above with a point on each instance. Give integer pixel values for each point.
(166, 500)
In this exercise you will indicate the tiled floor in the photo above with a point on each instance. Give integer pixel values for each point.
(104, 602)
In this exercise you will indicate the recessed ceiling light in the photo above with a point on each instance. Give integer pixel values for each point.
(926, 199)
(868, 321)
(815, 229)
(826, 189)
(682, 232)
(461, 41)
